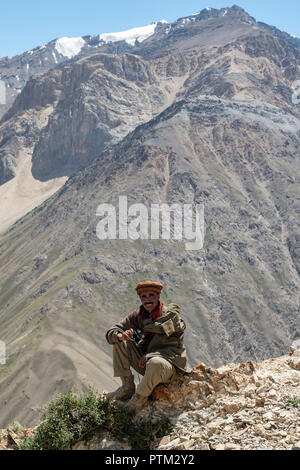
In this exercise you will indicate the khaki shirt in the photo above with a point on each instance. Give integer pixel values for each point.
(166, 340)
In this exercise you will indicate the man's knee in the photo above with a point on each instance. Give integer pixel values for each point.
(157, 362)
(161, 367)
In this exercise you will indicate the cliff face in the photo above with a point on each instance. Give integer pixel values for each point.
(104, 99)
(16, 71)
(193, 118)
(247, 406)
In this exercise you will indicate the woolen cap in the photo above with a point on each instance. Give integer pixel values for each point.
(149, 285)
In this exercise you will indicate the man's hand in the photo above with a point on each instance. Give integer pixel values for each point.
(127, 335)
(142, 362)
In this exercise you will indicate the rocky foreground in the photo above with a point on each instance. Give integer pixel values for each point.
(247, 406)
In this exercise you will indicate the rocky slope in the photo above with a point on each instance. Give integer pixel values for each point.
(247, 406)
(212, 122)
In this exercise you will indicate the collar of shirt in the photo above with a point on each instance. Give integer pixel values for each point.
(155, 314)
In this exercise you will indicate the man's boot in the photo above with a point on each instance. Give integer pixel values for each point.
(137, 402)
(125, 391)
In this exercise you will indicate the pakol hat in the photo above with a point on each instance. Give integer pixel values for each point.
(148, 286)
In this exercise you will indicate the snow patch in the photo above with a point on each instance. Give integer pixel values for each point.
(69, 47)
(54, 57)
(130, 35)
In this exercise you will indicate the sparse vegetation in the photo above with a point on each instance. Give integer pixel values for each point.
(16, 427)
(69, 419)
(294, 402)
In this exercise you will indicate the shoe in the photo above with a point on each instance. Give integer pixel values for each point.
(126, 390)
(137, 402)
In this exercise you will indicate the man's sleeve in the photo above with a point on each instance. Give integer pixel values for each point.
(125, 324)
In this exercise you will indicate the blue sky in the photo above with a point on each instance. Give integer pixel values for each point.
(25, 24)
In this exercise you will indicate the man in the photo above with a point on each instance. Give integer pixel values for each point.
(161, 358)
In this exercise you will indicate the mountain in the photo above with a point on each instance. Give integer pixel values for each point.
(65, 117)
(199, 112)
(16, 71)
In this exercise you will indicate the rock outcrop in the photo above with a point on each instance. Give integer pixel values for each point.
(236, 407)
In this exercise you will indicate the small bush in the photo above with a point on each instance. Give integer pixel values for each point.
(15, 427)
(294, 401)
(70, 418)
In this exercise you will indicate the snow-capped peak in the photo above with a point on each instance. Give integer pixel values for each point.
(69, 47)
(131, 35)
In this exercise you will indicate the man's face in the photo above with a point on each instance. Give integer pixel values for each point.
(149, 300)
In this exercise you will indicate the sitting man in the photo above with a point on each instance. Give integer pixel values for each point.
(161, 356)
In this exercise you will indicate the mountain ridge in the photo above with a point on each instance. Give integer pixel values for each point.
(59, 50)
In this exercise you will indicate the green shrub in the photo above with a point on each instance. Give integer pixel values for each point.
(69, 419)
(15, 427)
(294, 401)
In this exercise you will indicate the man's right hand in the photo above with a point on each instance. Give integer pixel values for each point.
(127, 335)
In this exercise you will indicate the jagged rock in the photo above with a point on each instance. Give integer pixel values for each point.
(238, 422)
(10, 440)
(231, 446)
(205, 381)
(294, 363)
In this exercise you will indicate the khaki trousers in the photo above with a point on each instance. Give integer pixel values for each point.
(157, 370)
